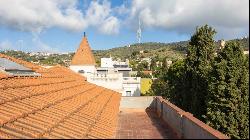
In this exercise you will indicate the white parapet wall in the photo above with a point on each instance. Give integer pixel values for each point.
(111, 80)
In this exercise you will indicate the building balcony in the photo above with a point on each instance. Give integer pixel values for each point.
(131, 80)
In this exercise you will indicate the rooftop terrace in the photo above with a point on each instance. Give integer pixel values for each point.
(62, 104)
(152, 117)
(142, 124)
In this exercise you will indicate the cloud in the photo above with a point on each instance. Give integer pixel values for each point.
(100, 15)
(183, 16)
(110, 26)
(122, 9)
(36, 16)
(229, 17)
(31, 15)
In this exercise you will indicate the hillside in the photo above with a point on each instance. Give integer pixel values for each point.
(150, 49)
(172, 51)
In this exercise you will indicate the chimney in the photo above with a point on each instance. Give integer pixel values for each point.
(84, 34)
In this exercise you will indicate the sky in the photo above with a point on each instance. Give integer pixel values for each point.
(58, 25)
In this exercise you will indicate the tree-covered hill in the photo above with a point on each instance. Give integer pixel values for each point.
(172, 51)
(149, 49)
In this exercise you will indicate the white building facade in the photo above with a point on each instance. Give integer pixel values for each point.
(112, 74)
(84, 70)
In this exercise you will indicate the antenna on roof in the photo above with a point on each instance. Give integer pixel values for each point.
(84, 34)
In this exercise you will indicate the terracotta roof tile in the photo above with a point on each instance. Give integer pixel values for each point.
(147, 72)
(83, 55)
(3, 75)
(58, 104)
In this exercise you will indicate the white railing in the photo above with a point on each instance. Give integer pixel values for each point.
(98, 76)
(131, 79)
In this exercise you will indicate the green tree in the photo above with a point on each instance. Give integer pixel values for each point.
(227, 101)
(142, 66)
(201, 50)
(153, 64)
(142, 75)
(134, 54)
(158, 88)
(175, 77)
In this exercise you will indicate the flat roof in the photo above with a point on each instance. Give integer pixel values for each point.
(142, 124)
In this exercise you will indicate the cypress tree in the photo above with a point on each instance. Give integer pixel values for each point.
(176, 84)
(201, 52)
(227, 101)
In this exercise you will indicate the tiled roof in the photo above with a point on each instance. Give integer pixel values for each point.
(58, 104)
(147, 72)
(3, 75)
(83, 55)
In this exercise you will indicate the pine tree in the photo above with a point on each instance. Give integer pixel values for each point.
(201, 50)
(227, 101)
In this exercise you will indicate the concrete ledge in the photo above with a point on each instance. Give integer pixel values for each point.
(192, 125)
(141, 102)
(173, 117)
(185, 125)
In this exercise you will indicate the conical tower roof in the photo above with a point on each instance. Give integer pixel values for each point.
(83, 55)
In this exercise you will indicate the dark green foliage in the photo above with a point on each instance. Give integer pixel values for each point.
(153, 64)
(200, 55)
(244, 43)
(143, 65)
(159, 87)
(214, 89)
(142, 75)
(21, 55)
(52, 59)
(175, 77)
(134, 54)
(227, 101)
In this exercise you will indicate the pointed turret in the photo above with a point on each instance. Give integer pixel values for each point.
(83, 55)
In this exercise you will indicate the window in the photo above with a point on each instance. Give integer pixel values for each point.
(81, 71)
(128, 93)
